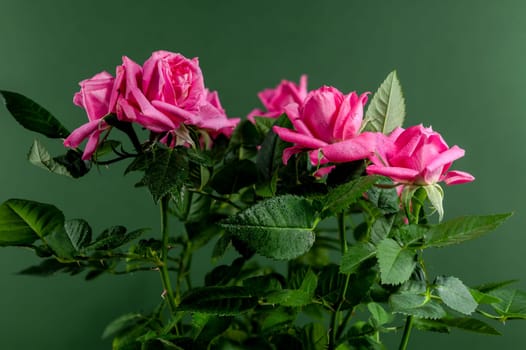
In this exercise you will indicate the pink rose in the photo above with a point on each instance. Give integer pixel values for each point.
(328, 121)
(276, 99)
(169, 91)
(419, 156)
(95, 97)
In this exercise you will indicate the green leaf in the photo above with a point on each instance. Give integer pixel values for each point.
(289, 297)
(355, 255)
(314, 336)
(33, 116)
(396, 263)
(435, 194)
(79, 233)
(280, 227)
(167, 170)
(123, 324)
(106, 147)
(234, 176)
(114, 237)
(386, 111)
(512, 304)
(228, 300)
(268, 159)
(455, 294)
(483, 298)
(264, 124)
(46, 268)
(470, 324)
(39, 156)
(381, 229)
(430, 325)
(74, 163)
(341, 197)
(378, 314)
(488, 287)
(385, 197)
(24, 221)
(462, 229)
(416, 304)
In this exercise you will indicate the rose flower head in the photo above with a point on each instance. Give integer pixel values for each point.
(418, 156)
(275, 100)
(328, 122)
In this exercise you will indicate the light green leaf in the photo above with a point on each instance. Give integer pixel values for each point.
(24, 221)
(462, 229)
(455, 294)
(483, 298)
(79, 233)
(355, 255)
(39, 156)
(218, 300)
(435, 194)
(289, 297)
(341, 197)
(280, 227)
(410, 303)
(33, 116)
(396, 263)
(386, 111)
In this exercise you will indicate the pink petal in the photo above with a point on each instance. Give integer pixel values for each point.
(91, 145)
(289, 152)
(81, 133)
(395, 173)
(301, 140)
(360, 147)
(445, 158)
(455, 177)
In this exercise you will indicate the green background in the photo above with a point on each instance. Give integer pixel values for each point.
(461, 64)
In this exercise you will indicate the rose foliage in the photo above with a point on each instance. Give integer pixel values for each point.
(316, 211)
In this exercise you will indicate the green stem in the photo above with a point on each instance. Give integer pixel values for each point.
(341, 231)
(163, 268)
(407, 333)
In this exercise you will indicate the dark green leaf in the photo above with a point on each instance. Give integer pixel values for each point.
(314, 336)
(483, 298)
(470, 324)
(234, 176)
(384, 196)
(45, 268)
(264, 124)
(386, 111)
(33, 116)
(410, 235)
(114, 237)
(74, 163)
(39, 156)
(355, 255)
(462, 229)
(280, 227)
(268, 159)
(409, 303)
(231, 300)
(455, 294)
(430, 325)
(341, 197)
(24, 221)
(488, 287)
(106, 147)
(123, 324)
(381, 229)
(378, 314)
(396, 263)
(167, 170)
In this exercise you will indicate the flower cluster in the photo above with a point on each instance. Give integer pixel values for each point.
(327, 124)
(163, 95)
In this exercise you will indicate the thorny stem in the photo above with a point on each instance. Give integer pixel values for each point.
(163, 268)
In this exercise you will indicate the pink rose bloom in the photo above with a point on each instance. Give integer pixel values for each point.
(95, 97)
(169, 91)
(276, 99)
(328, 121)
(419, 156)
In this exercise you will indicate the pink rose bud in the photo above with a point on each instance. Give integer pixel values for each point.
(276, 99)
(95, 97)
(328, 121)
(418, 156)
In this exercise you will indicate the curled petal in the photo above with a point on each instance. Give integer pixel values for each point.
(396, 173)
(299, 139)
(289, 152)
(445, 158)
(455, 177)
(360, 147)
(81, 133)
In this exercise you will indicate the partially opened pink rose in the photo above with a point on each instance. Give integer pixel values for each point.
(276, 99)
(95, 97)
(419, 156)
(328, 122)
